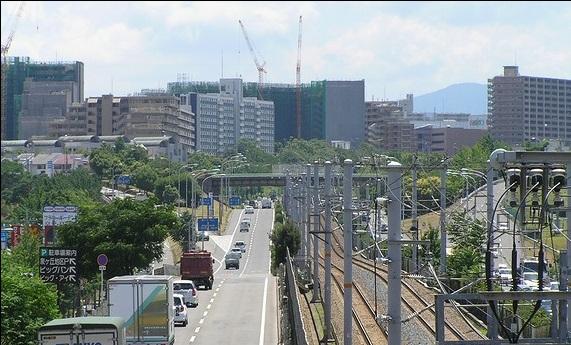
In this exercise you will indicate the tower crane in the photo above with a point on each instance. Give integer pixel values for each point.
(259, 67)
(298, 84)
(5, 49)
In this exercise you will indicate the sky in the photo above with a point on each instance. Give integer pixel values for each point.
(396, 47)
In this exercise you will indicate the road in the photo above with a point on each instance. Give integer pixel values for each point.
(241, 307)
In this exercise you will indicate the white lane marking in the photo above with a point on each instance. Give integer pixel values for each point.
(250, 245)
(217, 289)
(270, 237)
(211, 300)
(231, 241)
(263, 325)
(192, 338)
(214, 294)
(208, 306)
(201, 321)
(205, 313)
(197, 330)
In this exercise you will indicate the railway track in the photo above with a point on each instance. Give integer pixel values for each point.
(366, 325)
(410, 297)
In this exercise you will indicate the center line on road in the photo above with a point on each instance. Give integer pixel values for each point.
(201, 321)
(197, 330)
(205, 313)
(214, 294)
(211, 300)
(217, 289)
(192, 338)
(208, 306)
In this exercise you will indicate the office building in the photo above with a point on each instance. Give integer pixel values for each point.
(526, 108)
(387, 128)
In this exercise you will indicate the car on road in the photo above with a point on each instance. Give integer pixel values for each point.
(248, 210)
(188, 290)
(237, 251)
(505, 275)
(180, 311)
(241, 245)
(530, 279)
(245, 225)
(232, 260)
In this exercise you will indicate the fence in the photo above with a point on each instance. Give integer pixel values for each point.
(296, 332)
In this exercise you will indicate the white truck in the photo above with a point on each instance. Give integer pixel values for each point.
(97, 330)
(266, 203)
(146, 304)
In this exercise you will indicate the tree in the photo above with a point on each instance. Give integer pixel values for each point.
(283, 237)
(180, 233)
(468, 237)
(170, 194)
(27, 302)
(145, 178)
(129, 232)
(15, 181)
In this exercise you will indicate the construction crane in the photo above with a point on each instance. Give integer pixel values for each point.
(259, 67)
(5, 49)
(298, 84)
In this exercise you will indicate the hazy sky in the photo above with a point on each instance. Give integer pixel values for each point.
(397, 47)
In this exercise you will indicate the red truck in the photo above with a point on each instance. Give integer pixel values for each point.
(197, 266)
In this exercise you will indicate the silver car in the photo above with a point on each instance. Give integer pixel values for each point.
(187, 289)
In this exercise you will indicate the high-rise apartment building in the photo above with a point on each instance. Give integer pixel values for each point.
(31, 83)
(387, 128)
(525, 108)
(223, 118)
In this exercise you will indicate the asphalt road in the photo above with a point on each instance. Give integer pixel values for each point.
(241, 307)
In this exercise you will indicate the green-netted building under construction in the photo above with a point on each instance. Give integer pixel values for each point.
(330, 110)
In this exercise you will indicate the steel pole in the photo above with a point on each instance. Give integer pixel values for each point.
(394, 254)
(414, 220)
(348, 251)
(307, 210)
(302, 217)
(491, 320)
(327, 192)
(316, 223)
(563, 304)
(568, 214)
(443, 239)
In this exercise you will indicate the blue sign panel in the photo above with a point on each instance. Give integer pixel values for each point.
(123, 179)
(208, 224)
(5, 235)
(206, 201)
(234, 201)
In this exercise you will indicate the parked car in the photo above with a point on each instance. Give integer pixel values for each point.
(188, 290)
(237, 251)
(248, 210)
(241, 245)
(180, 311)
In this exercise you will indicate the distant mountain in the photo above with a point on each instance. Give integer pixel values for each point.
(469, 98)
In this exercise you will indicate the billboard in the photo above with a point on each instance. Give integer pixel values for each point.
(58, 265)
(56, 215)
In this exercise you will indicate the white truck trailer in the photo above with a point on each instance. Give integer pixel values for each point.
(99, 330)
(146, 304)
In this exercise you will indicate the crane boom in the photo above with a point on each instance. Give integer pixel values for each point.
(298, 83)
(259, 67)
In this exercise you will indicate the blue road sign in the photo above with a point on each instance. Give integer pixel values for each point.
(124, 179)
(206, 201)
(208, 224)
(234, 201)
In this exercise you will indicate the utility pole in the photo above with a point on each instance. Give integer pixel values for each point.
(302, 217)
(414, 220)
(327, 192)
(394, 254)
(348, 249)
(564, 305)
(316, 229)
(307, 214)
(491, 320)
(443, 236)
